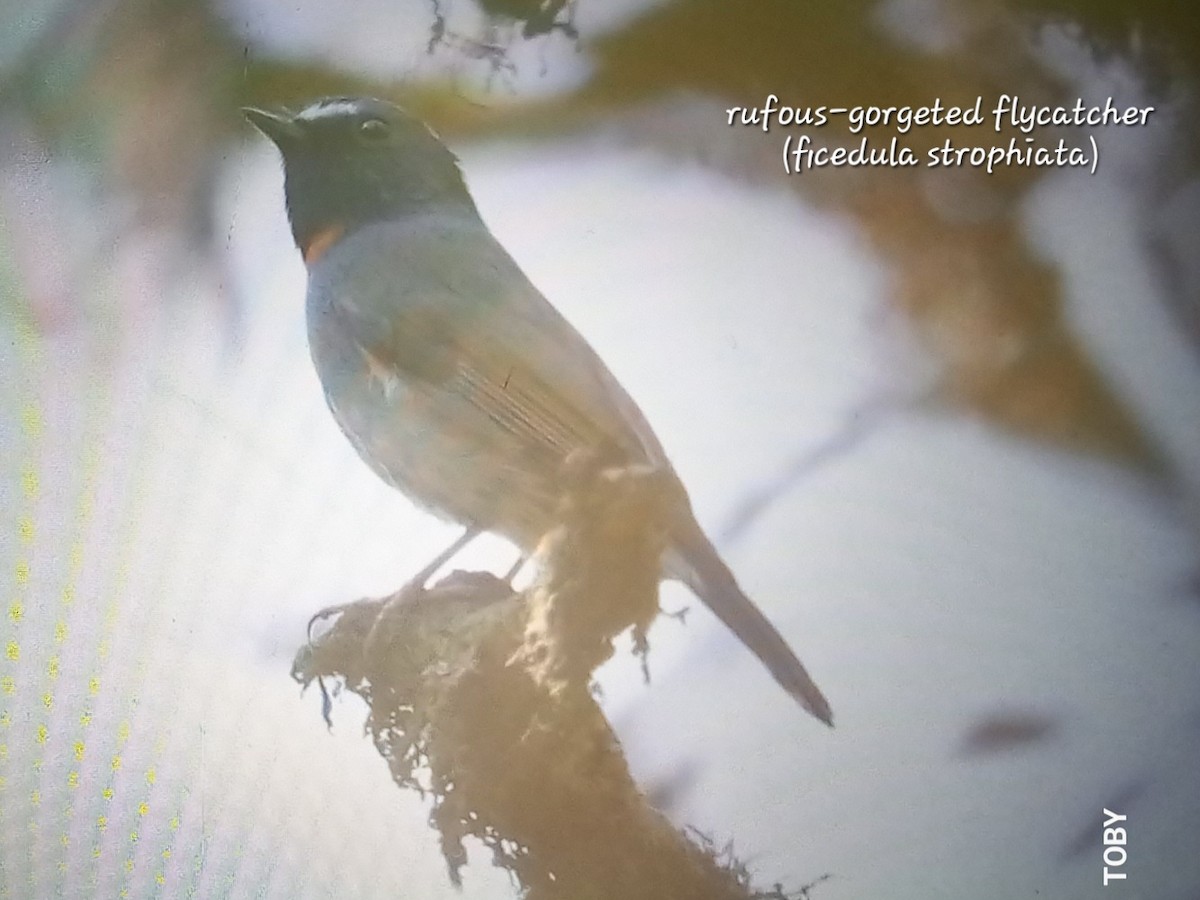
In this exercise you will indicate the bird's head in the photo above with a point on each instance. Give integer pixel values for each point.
(350, 161)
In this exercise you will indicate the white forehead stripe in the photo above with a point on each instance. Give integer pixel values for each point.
(329, 110)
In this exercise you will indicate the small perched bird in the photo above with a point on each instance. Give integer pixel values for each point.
(453, 377)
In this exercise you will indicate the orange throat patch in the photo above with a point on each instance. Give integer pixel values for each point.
(320, 242)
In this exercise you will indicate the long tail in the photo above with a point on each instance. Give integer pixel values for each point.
(695, 561)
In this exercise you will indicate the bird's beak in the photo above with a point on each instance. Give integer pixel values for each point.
(282, 129)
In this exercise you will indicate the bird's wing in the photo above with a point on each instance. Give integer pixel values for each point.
(439, 300)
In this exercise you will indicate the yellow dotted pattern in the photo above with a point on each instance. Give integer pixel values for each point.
(119, 854)
(56, 734)
(31, 422)
(61, 631)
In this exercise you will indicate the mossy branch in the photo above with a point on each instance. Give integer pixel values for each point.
(481, 698)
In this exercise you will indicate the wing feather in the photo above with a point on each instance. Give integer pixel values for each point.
(445, 305)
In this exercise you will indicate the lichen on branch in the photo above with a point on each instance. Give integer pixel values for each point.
(481, 698)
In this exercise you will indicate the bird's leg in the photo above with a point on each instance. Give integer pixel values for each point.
(444, 557)
(516, 567)
(418, 580)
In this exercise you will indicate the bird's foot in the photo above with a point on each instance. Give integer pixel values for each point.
(322, 614)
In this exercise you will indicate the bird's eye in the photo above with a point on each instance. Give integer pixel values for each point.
(374, 129)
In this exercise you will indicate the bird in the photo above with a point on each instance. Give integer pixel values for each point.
(454, 378)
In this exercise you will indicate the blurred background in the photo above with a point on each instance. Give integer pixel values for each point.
(944, 425)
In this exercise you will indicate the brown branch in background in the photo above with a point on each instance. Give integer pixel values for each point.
(481, 698)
